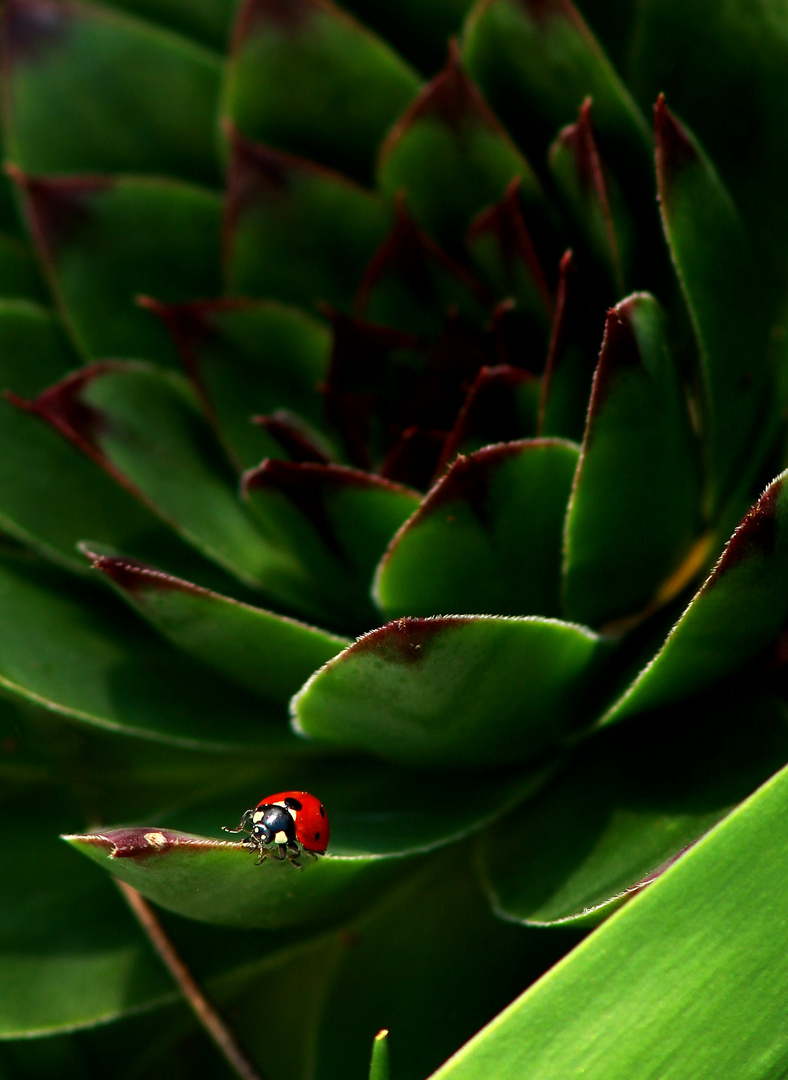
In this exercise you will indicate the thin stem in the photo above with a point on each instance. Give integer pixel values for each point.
(205, 1012)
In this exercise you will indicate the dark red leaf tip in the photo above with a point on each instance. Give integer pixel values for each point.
(135, 843)
(287, 16)
(62, 406)
(468, 481)
(619, 352)
(58, 208)
(308, 487)
(32, 27)
(404, 641)
(675, 149)
(134, 577)
(451, 99)
(755, 536)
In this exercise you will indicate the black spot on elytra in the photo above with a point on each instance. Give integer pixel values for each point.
(322, 811)
(294, 804)
(317, 836)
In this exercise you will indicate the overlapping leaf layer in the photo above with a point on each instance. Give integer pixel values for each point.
(387, 414)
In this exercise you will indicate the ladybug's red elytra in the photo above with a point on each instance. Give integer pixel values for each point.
(291, 822)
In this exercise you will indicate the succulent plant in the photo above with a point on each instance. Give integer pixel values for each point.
(387, 415)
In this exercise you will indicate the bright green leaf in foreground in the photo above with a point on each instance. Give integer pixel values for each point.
(681, 984)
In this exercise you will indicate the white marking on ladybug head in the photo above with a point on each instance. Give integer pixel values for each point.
(280, 837)
(257, 816)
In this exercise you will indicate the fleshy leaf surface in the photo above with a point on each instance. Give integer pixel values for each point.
(741, 608)
(717, 918)
(247, 358)
(536, 62)
(718, 276)
(634, 508)
(143, 427)
(268, 654)
(61, 51)
(335, 521)
(296, 231)
(453, 691)
(628, 807)
(501, 511)
(69, 648)
(451, 157)
(104, 240)
(294, 82)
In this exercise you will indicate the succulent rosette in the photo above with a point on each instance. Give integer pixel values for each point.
(392, 412)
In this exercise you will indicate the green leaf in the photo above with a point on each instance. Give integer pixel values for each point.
(717, 274)
(28, 330)
(450, 156)
(294, 82)
(143, 427)
(634, 508)
(569, 369)
(164, 123)
(700, 954)
(628, 807)
(103, 241)
(269, 655)
(219, 882)
(594, 203)
(71, 649)
(501, 511)
(248, 357)
(335, 521)
(208, 22)
(536, 63)
(738, 611)
(296, 231)
(379, 1062)
(454, 691)
(71, 954)
(20, 277)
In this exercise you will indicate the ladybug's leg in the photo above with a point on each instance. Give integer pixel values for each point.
(241, 823)
(282, 852)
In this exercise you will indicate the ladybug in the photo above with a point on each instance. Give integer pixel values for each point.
(290, 821)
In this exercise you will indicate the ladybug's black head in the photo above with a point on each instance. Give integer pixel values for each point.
(273, 825)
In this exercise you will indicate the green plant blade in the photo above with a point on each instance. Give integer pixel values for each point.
(585, 185)
(379, 1062)
(716, 919)
(633, 513)
(294, 82)
(739, 610)
(208, 22)
(28, 330)
(142, 426)
(69, 648)
(60, 969)
(267, 654)
(718, 277)
(296, 231)
(628, 807)
(455, 691)
(20, 277)
(103, 241)
(450, 156)
(570, 363)
(536, 63)
(61, 52)
(335, 521)
(219, 882)
(417, 31)
(246, 358)
(500, 510)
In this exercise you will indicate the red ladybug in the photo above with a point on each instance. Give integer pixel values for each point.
(290, 821)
